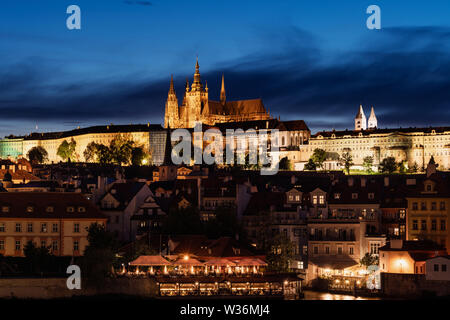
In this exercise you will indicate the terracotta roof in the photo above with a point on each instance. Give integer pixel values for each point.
(18, 175)
(18, 202)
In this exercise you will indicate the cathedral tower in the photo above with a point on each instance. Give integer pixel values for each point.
(171, 117)
(360, 120)
(372, 123)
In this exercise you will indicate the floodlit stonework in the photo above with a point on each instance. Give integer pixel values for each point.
(196, 106)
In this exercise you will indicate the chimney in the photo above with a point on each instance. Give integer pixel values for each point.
(363, 182)
(386, 181)
(293, 180)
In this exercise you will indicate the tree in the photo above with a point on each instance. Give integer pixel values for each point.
(347, 161)
(90, 153)
(99, 255)
(388, 165)
(285, 164)
(224, 224)
(368, 163)
(37, 155)
(402, 168)
(139, 156)
(182, 221)
(414, 168)
(120, 148)
(369, 260)
(103, 154)
(38, 259)
(280, 253)
(318, 157)
(66, 150)
(310, 165)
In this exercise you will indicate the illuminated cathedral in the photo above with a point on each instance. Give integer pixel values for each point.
(196, 106)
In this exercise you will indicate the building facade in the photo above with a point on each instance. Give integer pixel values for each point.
(58, 221)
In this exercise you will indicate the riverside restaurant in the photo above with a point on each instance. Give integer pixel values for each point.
(213, 276)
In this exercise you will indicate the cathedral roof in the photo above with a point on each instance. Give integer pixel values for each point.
(235, 107)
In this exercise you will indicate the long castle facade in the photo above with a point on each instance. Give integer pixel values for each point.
(196, 106)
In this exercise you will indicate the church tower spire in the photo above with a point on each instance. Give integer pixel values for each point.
(372, 123)
(223, 96)
(360, 120)
(171, 114)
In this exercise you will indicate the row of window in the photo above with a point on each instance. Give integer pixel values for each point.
(443, 268)
(43, 229)
(340, 250)
(50, 209)
(423, 206)
(423, 225)
(54, 245)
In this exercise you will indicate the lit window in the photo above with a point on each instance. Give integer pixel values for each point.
(70, 209)
(76, 228)
(5, 209)
(81, 209)
(30, 209)
(18, 227)
(49, 209)
(43, 227)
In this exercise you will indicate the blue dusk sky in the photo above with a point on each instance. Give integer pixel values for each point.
(310, 60)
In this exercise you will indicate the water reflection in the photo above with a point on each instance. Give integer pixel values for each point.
(313, 295)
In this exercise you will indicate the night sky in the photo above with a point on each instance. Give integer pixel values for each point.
(310, 60)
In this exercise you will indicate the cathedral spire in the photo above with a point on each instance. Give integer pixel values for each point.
(223, 96)
(172, 89)
(197, 84)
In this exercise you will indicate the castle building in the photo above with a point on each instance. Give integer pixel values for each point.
(416, 146)
(196, 106)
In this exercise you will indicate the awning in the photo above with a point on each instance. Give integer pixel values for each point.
(338, 264)
(220, 262)
(188, 262)
(150, 261)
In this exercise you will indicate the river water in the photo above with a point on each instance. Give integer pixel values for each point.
(314, 295)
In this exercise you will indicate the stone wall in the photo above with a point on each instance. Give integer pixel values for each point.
(412, 285)
(51, 288)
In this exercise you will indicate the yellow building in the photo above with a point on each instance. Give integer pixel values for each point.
(429, 211)
(55, 220)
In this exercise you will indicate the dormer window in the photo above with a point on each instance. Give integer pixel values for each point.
(428, 187)
(5, 209)
(81, 209)
(371, 196)
(354, 196)
(30, 209)
(49, 209)
(337, 195)
(70, 209)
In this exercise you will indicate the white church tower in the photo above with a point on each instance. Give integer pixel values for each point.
(372, 123)
(360, 120)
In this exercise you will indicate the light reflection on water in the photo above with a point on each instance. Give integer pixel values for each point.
(313, 295)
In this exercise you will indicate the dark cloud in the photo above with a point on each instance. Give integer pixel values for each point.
(403, 73)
